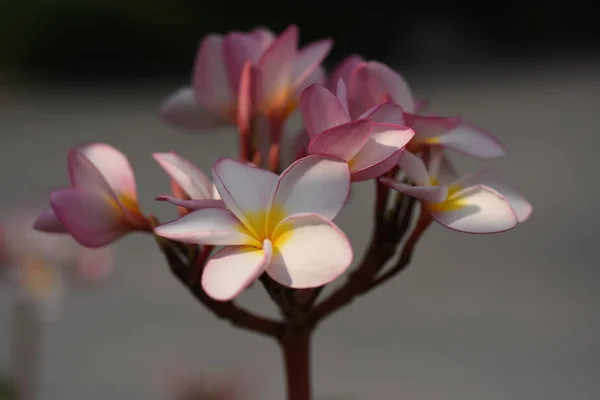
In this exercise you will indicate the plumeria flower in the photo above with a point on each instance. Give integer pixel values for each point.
(36, 263)
(280, 225)
(277, 69)
(192, 189)
(371, 83)
(101, 204)
(370, 145)
(477, 203)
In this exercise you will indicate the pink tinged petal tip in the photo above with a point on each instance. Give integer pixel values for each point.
(92, 219)
(431, 127)
(48, 222)
(386, 113)
(345, 69)
(211, 226)
(321, 110)
(308, 60)
(429, 194)
(187, 176)
(238, 49)
(476, 209)
(314, 184)
(233, 268)
(309, 251)
(183, 110)
(342, 141)
(193, 205)
(472, 141)
(210, 79)
(382, 81)
(414, 168)
(381, 152)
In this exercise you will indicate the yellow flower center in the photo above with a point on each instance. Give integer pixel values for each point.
(452, 202)
(262, 224)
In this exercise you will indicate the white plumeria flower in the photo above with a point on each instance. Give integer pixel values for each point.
(192, 189)
(476, 203)
(280, 225)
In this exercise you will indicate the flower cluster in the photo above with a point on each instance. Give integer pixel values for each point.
(359, 123)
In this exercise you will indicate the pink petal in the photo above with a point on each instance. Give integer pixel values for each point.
(472, 141)
(431, 126)
(345, 69)
(386, 113)
(49, 222)
(238, 49)
(517, 201)
(309, 251)
(318, 77)
(342, 94)
(230, 270)
(210, 80)
(429, 194)
(212, 226)
(189, 177)
(414, 168)
(264, 36)
(483, 211)
(321, 110)
(275, 68)
(84, 175)
(420, 105)
(308, 59)
(381, 152)
(183, 110)
(244, 102)
(92, 219)
(245, 191)
(342, 141)
(193, 205)
(382, 81)
(315, 184)
(113, 166)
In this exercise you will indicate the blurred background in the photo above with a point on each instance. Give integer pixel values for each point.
(507, 316)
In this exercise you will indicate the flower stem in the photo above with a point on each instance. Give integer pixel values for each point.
(296, 356)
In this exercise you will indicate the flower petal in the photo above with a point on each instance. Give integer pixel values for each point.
(245, 191)
(308, 59)
(341, 93)
(344, 70)
(114, 167)
(414, 168)
(517, 201)
(183, 110)
(430, 127)
(84, 175)
(381, 152)
(47, 221)
(308, 251)
(386, 113)
(244, 102)
(318, 77)
(210, 80)
(382, 82)
(193, 205)
(189, 177)
(264, 36)
(275, 69)
(429, 194)
(230, 270)
(92, 219)
(472, 141)
(342, 141)
(212, 226)
(315, 184)
(321, 110)
(482, 210)
(239, 48)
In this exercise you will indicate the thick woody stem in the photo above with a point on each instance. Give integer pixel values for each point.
(295, 348)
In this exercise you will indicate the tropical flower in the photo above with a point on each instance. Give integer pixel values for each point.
(280, 225)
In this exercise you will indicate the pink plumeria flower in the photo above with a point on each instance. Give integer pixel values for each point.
(192, 189)
(280, 225)
(370, 145)
(101, 204)
(220, 84)
(371, 83)
(477, 203)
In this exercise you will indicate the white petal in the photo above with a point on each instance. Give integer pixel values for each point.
(230, 270)
(414, 168)
(189, 177)
(482, 210)
(309, 251)
(472, 141)
(213, 226)
(313, 184)
(246, 191)
(429, 194)
(183, 110)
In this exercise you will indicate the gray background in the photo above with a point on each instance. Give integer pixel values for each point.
(507, 316)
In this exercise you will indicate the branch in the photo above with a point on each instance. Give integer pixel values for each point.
(227, 310)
